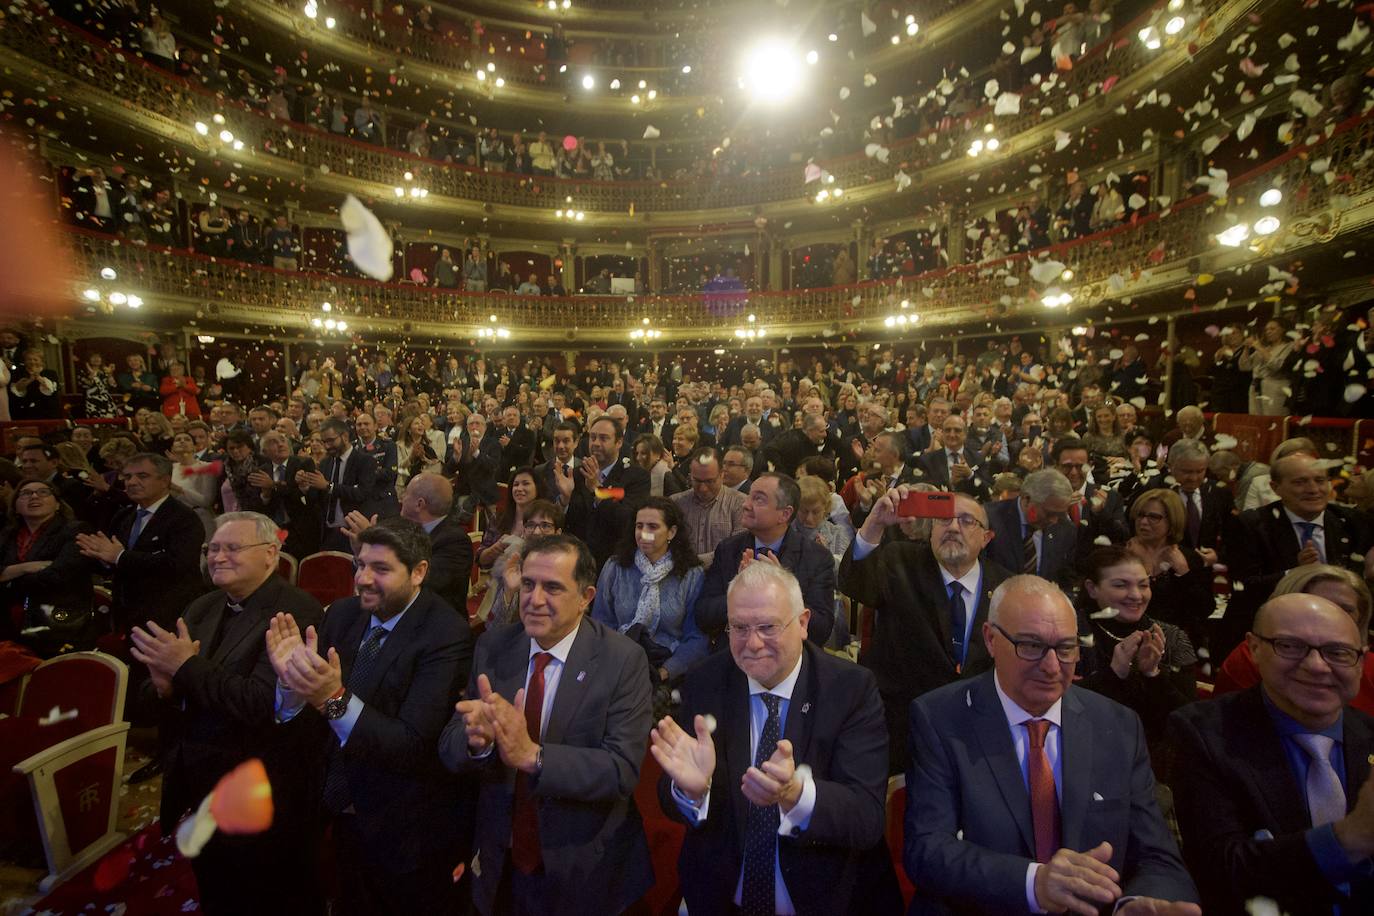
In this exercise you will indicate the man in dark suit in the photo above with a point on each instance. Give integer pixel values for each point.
(1032, 533)
(152, 550)
(1095, 511)
(557, 827)
(216, 684)
(397, 660)
(657, 421)
(769, 538)
(347, 481)
(925, 634)
(886, 465)
(955, 466)
(383, 452)
(785, 801)
(1211, 523)
(558, 476)
(791, 448)
(1274, 788)
(475, 461)
(517, 443)
(752, 416)
(274, 493)
(1025, 793)
(600, 521)
(1300, 528)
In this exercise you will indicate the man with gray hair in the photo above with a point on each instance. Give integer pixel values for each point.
(776, 820)
(1027, 793)
(791, 448)
(1210, 521)
(216, 687)
(738, 468)
(1033, 533)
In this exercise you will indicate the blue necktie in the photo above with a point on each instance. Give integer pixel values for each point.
(140, 519)
(761, 828)
(957, 616)
(336, 793)
(1309, 532)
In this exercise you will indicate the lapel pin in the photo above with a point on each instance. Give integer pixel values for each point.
(806, 707)
(581, 675)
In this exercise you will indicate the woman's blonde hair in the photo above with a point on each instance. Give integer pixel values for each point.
(1302, 579)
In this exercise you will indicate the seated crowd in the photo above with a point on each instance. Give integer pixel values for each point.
(1032, 579)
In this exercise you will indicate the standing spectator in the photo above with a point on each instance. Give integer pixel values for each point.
(1074, 219)
(193, 481)
(595, 513)
(33, 391)
(648, 591)
(445, 271)
(842, 271)
(245, 238)
(158, 42)
(541, 155)
(529, 287)
(475, 271)
(96, 382)
(417, 139)
(494, 151)
(213, 231)
(1267, 359)
(603, 163)
(179, 393)
(282, 245)
(367, 123)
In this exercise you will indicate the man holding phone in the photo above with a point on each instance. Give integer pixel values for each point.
(930, 599)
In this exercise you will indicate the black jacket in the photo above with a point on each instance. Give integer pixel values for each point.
(290, 508)
(65, 585)
(157, 577)
(811, 563)
(450, 564)
(602, 523)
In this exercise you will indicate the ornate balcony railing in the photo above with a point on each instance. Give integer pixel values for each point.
(945, 297)
(130, 83)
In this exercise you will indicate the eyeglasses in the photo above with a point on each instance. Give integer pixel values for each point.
(230, 550)
(1295, 650)
(1033, 650)
(35, 493)
(1152, 516)
(766, 631)
(965, 521)
(540, 526)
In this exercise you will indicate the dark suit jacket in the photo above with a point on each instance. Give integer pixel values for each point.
(518, 452)
(811, 563)
(1220, 529)
(361, 488)
(789, 449)
(602, 523)
(221, 713)
(911, 651)
(66, 584)
(475, 475)
(836, 729)
(157, 577)
(1110, 522)
(1057, 547)
(978, 484)
(33, 404)
(766, 430)
(1233, 785)
(450, 564)
(406, 804)
(287, 501)
(1271, 548)
(593, 842)
(383, 451)
(917, 440)
(964, 778)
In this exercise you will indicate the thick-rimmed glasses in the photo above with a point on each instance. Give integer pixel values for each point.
(1033, 650)
(229, 550)
(766, 631)
(965, 521)
(1295, 650)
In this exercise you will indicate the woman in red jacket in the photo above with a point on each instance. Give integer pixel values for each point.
(179, 392)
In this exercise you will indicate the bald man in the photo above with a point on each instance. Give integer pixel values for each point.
(1027, 793)
(1273, 784)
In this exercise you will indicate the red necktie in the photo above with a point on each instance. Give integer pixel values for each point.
(524, 831)
(1044, 803)
(1073, 513)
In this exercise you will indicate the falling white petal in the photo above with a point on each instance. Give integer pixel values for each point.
(369, 244)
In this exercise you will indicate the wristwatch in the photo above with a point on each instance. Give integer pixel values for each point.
(337, 705)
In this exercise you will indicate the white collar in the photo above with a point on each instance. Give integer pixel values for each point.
(1016, 715)
(560, 649)
(968, 580)
(1319, 521)
(390, 625)
(784, 687)
(152, 510)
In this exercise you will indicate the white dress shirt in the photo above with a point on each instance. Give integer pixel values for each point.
(1318, 533)
(1020, 737)
(790, 823)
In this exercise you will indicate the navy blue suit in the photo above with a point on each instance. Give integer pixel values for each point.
(969, 836)
(811, 563)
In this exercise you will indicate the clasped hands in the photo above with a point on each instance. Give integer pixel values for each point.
(298, 664)
(689, 761)
(163, 652)
(1083, 882)
(491, 719)
(1143, 650)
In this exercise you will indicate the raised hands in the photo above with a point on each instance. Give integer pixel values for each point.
(563, 480)
(491, 719)
(163, 652)
(688, 760)
(774, 783)
(1143, 650)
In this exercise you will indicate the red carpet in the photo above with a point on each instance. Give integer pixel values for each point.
(145, 875)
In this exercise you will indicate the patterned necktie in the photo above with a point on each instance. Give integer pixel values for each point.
(1030, 563)
(1325, 794)
(140, 519)
(336, 794)
(761, 828)
(1194, 519)
(958, 615)
(1044, 800)
(525, 850)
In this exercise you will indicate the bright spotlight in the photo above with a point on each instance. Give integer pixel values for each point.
(634, 99)
(615, 84)
(134, 302)
(108, 273)
(653, 94)
(1271, 197)
(771, 72)
(993, 144)
(686, 68)
(500, 82)
(202, 128)
(1266, 225)
(329, 22)
(1234, 236)
(588, 82)
(481, 75)
(118, 298)
(1175, 25)
(912, 28)
(226, 136)
(92, 295)
(812, 57)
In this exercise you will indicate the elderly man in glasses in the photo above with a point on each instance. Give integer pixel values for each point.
(1274, 786)
(777, 765)
(1025, 793)
(929, 600)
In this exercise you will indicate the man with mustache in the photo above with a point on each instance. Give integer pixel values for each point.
(930, 600)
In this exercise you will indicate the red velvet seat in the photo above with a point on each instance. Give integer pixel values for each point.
(287, 566)
(896, 831)
(328, 575)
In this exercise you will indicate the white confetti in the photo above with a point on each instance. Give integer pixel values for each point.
(651, 133)
(369, 244)
(1008, 103)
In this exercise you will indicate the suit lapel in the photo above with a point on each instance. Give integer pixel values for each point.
(1266, 765)
(1286, 544)
(512, 666)
(977, 649)
(579, 671)
(737, 757)
(1076, 764)
(994, 735)
(351, 636)
(201, 625)
(1359, 757)
(800, 717)
(252, 622)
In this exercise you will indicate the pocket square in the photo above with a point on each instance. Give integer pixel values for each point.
(1263, 835)
(1097, 796)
